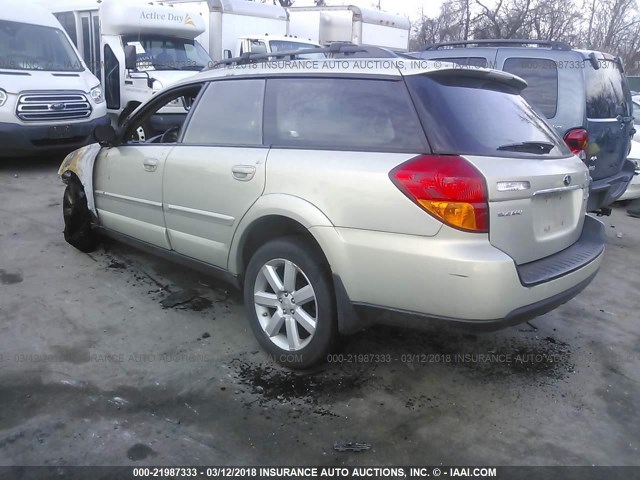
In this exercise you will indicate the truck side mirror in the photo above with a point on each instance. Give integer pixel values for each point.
(227, 54)
(105, 135)
(130, 57)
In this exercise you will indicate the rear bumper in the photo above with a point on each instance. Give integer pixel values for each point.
(605, 191)
(32, 140)
(421, 279)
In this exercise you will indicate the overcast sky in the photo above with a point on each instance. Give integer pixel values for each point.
(410, 8)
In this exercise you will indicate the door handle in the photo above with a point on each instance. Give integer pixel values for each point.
(150, 164)
(244, 173)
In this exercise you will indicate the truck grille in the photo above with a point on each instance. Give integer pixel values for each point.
(38, 107)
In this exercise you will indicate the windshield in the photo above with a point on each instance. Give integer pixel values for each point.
(475, 116)
(33, 47)
(156, 52)
(288, 46)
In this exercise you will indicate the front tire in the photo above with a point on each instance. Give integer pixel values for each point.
(290, 301)
(78, 228)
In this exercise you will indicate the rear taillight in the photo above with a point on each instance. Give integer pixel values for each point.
(447, 187)
(578, 141)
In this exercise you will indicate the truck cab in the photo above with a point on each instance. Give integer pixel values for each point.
(50, 102)
(137, 48)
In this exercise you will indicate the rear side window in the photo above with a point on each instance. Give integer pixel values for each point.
(342, 113)
(606, 88)
(542, 76)
(472, 115)
(229, 113)
(465, 61)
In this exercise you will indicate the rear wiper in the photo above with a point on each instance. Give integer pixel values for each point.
(540, 148)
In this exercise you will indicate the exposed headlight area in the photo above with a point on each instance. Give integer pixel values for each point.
(97, 95)
(3, 97)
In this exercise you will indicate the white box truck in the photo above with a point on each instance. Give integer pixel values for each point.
(49, 100)
(350, 23)
(137, 47)
(234, 27)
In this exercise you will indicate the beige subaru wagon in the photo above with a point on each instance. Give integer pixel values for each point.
(329, 191)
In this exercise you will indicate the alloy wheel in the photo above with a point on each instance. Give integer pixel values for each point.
(285, 304)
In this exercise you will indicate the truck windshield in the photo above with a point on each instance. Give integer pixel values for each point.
(33, 47)
(156, 52)
(288, 46)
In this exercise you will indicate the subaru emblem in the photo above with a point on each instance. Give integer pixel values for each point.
(567, 180)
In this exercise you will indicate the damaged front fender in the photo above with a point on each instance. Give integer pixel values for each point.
(80, 163)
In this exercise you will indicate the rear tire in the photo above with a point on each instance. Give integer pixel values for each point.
(78, 228)
(290, 301)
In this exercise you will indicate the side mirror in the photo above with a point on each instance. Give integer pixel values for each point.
(105, 135)
(130, 58)
(227, 54)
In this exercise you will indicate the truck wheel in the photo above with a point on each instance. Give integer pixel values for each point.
(290, 302)
(78, 230)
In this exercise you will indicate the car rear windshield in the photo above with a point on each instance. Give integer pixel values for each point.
(606, 90)
(474, 115)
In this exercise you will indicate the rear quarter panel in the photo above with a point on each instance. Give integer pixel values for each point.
(352, 189)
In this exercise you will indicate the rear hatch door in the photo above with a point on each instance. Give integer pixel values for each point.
(537, 189)
(609, 118)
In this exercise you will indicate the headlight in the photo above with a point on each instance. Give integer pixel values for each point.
(3, 97)
(96, 94)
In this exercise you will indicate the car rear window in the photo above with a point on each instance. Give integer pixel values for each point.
(474, 115)
(341, 113)
(542, 77)
(606, 88)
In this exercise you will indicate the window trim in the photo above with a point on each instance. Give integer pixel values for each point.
(151, 107)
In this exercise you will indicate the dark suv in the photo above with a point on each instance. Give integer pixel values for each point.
(583, 94)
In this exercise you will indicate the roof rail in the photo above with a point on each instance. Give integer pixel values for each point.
(249, 57)
(522, 42)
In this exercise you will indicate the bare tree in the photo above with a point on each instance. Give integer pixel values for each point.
(611, 26)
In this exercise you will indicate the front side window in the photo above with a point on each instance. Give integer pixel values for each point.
(229, 113)
(68, 22)
(541, 76)
(341, 113)
(157, 52)
(111, 78)
(162, 120)
(606, 89)
(33, 47)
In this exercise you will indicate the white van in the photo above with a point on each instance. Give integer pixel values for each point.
(49, 101)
